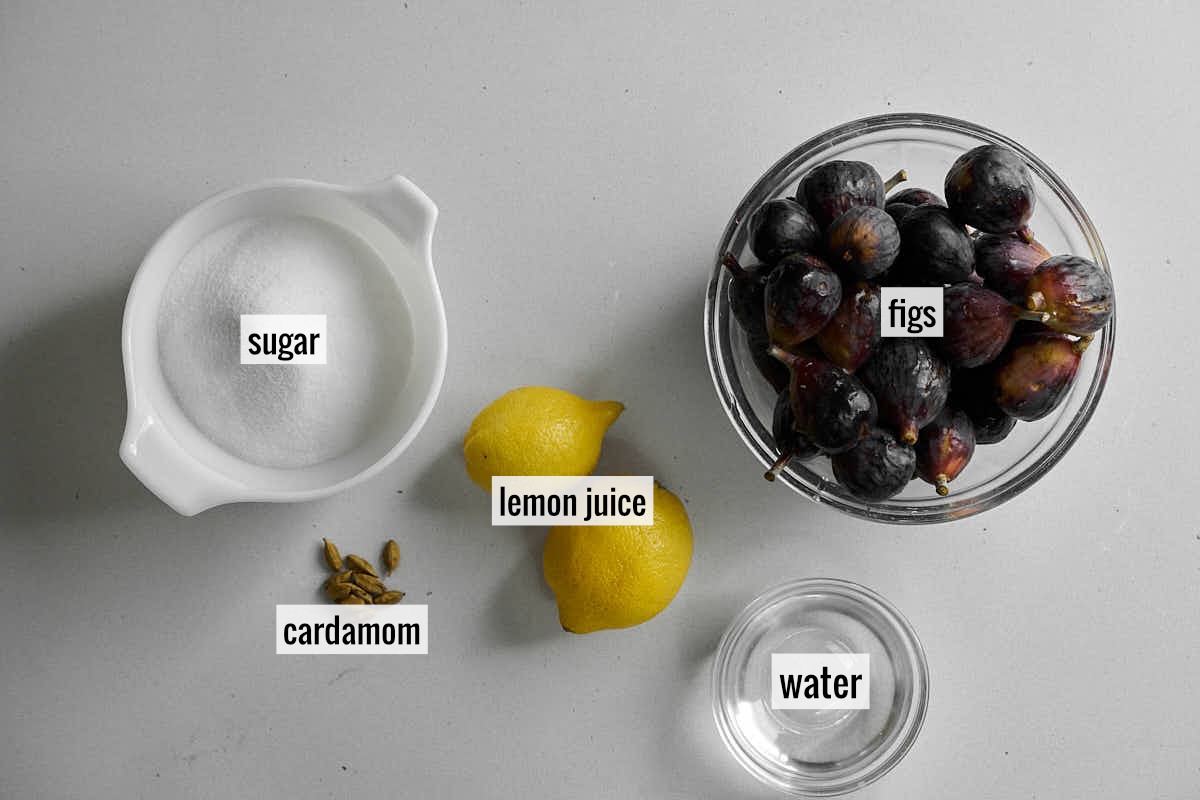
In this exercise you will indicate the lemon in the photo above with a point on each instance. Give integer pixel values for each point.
(611, 576)
(537, 430)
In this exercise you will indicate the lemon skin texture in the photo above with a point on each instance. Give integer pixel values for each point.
(606, 577)
(537, 430)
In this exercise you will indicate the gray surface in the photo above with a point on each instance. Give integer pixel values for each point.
(585, 162)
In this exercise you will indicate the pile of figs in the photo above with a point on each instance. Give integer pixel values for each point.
(1016, 320)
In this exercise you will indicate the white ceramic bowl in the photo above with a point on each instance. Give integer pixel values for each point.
(171, 456)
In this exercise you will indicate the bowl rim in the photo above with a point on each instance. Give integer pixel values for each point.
(914, 715)
(731, 395)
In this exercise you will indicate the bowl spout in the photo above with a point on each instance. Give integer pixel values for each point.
(166, 469)
(405, 209)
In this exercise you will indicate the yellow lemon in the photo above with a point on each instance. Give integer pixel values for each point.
(537, 430)
(618, 576)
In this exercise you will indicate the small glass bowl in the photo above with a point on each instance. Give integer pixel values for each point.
(828, 752)
(923, 145)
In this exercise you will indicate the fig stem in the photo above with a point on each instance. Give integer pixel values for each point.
(943, 485)
(908, 434)
(1025, 234)
(780, 354)
(895, 180)
(1036, 301)
(1082, 345)
(1033, 316)
(730, 262)
(778, 466)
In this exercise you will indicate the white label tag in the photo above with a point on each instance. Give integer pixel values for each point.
(283, 339)
(350, 630)
(910, 311)
(572, 500)
(820, 680)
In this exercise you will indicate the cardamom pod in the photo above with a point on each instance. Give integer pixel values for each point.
(339, 591)
(332, 557)
(352, 601)
(389, 598)
(370, 583)
(355, 591)
(391, 556)
(360, 564)
(345, 576)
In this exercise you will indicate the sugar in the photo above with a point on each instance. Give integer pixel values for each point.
(284, 415)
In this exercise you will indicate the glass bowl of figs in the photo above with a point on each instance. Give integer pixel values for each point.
(822, 331)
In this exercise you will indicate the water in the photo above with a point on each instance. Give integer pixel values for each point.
(819, 750)
(815, 737)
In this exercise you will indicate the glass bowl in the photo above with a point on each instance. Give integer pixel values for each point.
(923, 145)
(808, 752)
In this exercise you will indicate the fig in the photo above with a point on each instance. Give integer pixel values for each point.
(830, 189)
(898, 211)
(909, 383)
(782, 226)
(747, 286)
(972, 392)
(854, 329)
(977, 324)
(989, 188)
(1006, 263)
(934, 248)
(877, 468)
(863, 242)
(1075, 293)
(945, 446)
(791, 444)
(802, 293)
(829, 405)
(772, 370)
(916, 197)
(1035, 374)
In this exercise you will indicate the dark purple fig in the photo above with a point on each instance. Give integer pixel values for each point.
(831, 188)
(977, 324)
(1075, 292)
(909, 383)
(863, 242)
(1027, 325)
(945, 446)
(898, 211)
(877, 468)
(782, 226)
(772, 370)
(1006, 263)
(829, 405)
(747, 286)
(791, 443)
(916, 197)
(1034, 375)
(934, 248)
(854, 330)
(972, 392)
(990, 188)
(802, 294)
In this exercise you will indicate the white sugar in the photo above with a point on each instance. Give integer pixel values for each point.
(284, 415)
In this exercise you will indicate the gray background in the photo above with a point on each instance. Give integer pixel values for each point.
(585, 159)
